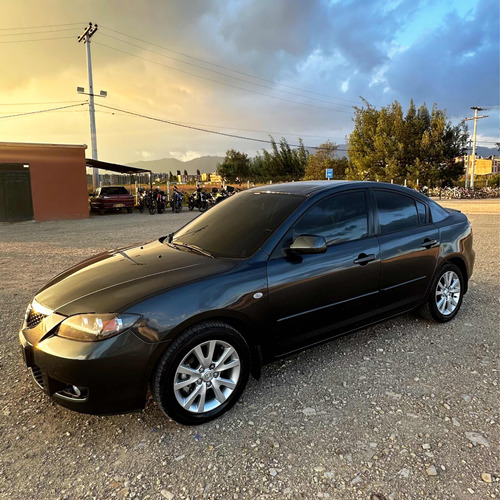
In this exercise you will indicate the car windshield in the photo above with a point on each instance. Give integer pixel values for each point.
(239, 226)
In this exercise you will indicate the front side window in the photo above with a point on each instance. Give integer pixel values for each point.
(339, 218)
(396, 212)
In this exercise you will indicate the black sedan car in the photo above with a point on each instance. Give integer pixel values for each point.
(266, 273)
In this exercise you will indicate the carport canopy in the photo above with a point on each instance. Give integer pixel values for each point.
(115, 167)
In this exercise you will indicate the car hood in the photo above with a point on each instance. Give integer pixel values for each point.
(115, 280)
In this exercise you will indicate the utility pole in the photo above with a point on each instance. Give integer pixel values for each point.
(85, 37)
(476, 118)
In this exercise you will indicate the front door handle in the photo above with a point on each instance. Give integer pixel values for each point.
(363, 259)
(427, 243)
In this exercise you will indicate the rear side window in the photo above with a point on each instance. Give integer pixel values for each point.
(339, 218)
(438, 213)
(422, 213)
(396, 212)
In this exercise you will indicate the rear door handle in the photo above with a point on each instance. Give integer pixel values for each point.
(363, 259)
(427, 243)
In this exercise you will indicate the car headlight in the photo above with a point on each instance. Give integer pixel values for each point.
(93, 327)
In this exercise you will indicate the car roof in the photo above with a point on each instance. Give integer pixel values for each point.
(308, 188)
(301, 187)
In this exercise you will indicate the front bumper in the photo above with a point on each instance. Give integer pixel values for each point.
(105, 377)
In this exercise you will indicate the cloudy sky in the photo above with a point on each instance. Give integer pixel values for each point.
(289, 68)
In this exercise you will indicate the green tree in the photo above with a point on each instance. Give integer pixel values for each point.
(283, 163)
(388, 144)
(256, 168)
(235, 164)
(324, 158)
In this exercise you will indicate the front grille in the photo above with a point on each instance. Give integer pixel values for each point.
(34, 319)
(37, 375)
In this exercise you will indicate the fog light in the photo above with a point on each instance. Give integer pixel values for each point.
(73, 393)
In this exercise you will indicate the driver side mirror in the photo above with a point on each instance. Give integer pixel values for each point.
(308, 244)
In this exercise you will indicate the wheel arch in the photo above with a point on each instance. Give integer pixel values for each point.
(244, 325)
(460, 263)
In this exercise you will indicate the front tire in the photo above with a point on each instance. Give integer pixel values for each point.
(202, 373)
(445, 296)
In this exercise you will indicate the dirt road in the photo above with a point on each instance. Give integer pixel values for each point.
(404, 410)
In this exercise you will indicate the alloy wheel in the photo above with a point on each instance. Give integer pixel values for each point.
(448, 292)
(207, 376)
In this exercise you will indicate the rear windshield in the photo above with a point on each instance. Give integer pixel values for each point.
(108, 190)
(237, 227)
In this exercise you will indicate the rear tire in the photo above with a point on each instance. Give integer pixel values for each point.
(202, 373)
(445, 296)
(129, 210)
(152, 207)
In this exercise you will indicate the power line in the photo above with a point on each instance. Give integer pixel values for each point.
(35, 103)
(199, 129)
(222, 83)
(248, 129)
(36, 27)
(56, 112)
(36, 32)
(42, 111)
(224, 67)
(234, 128)
(38, 39)
(225, 74)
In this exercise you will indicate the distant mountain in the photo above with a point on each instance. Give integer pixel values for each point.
(208, 164)
(485, 152)
(205, 164)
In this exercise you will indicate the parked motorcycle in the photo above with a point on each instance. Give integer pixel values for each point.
(176, 202)
(222, 194)
(160, 199)
(146, 201)
(198, 200)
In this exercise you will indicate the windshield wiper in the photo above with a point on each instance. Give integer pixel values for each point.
(194, 248)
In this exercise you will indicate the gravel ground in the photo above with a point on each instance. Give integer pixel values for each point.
(404, 410)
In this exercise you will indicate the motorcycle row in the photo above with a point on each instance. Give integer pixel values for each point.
(156, 200)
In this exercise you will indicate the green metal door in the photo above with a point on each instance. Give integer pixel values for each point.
(15, 193)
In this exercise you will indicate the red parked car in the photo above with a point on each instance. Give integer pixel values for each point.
(111, 198)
